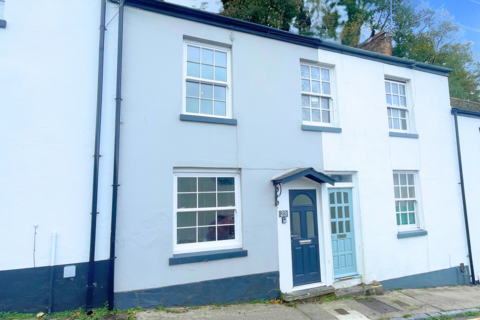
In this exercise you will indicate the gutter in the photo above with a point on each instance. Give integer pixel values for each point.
(96, 157)
(464, 200)
(116, 158)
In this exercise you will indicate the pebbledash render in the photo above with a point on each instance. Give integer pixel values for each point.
(251, 162)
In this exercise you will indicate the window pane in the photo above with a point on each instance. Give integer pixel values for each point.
(345, 197)
(395, 179)
(398, 219)
(412, 217)
(192, 105)
(326, 116)
(207, 91)
(402, 89)
(207, 56)
(316, 115)
(226, 217)
(403, 122)
(220, 74)
(403, 206)
(404, 218)
(402, 101)
(206, 218)
(395, 88)
(395, 100)
(226, 184)
(346, 211)
(220, 93)
(325, 88)
(310, 224)
(187, 184)
(207, 234)
(305, 101)
(332, 198)
(302, 200)
(206, 200)
(403, 179)
(397, 206)
(188, 235)
(226, 233)
(389, 112)
(186, 219)
(332, 213)
(340, 226)
(207, 72)
(396, 124)
(306, 114)
(220, 108)
(390, 123)
(387, 87)
(305, 72)
(296, 231)
(339, 197)
(220, 58)
(193, 54)
(316, 86)
(192, 89)
(404, 192)
(306, 85)
(411, 205)
(206, 107)
(193, 69)
(334, 227)
(402, 114)
(389, 99)
(397, 192)
(226, 199)
(340, 212)
(395, 112)
(315, 102)
(411, 181)
(206, 184)
(315, 73)
(325, 103)
(347, 226)
(325, 75)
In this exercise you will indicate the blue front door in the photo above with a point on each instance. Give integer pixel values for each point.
(304, 236)
(343, 236)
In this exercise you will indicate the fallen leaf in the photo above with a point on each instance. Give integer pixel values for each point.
(40, 314)
(133, 311)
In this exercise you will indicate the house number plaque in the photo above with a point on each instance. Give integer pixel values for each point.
(283, 214)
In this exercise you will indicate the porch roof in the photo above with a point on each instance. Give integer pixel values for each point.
(309, 173)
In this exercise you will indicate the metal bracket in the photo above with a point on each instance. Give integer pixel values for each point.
(278, 193)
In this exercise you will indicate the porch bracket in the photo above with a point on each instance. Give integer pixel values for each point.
(278, 192)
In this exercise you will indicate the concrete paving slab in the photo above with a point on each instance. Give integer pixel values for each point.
(245, 311)
(406, 304)
(315, 311)
(353, 313)
(447, 298)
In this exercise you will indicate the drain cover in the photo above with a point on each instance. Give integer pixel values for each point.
(401, 303)
(342, 311)
(378, 306)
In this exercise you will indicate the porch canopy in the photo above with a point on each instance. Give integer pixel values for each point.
(309, 173)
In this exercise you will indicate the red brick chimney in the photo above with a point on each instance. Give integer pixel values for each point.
(380, 43)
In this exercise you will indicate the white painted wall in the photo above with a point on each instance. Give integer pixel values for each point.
(48, 63)
(469, 129)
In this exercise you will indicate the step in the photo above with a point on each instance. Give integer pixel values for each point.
(308, 294)
(357, 291)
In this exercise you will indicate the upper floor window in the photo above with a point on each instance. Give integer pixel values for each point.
(405, 199)
(207, 80)
(316, 95)
(2, 9)
(396, 105)
(207, 211)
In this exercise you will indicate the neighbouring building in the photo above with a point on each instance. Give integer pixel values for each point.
(250, 161)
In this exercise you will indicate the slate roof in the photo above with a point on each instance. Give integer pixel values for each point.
(466, 105)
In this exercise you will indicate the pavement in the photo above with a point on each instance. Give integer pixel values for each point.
(414, 304)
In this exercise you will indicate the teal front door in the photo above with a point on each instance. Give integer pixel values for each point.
(343, 235)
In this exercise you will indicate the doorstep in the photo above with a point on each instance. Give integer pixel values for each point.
(308, 293)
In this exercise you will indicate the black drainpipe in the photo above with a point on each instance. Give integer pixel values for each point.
(96, 157)
(118, 106)
(467, 229)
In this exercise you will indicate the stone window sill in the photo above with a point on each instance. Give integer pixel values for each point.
(411, 234)
(3, 23)
(189, 117)
(206, 256)
(403, 135)
(321, 129)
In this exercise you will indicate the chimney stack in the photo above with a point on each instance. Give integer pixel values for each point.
(380, 43)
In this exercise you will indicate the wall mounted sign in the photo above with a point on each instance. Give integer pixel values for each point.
(283, 214)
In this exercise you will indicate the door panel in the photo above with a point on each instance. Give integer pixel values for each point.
(343, 235)
(304, 237)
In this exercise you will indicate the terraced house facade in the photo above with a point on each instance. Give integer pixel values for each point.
(231, 161)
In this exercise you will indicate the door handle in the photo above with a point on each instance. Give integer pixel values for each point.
(305, 241)
(294, 235)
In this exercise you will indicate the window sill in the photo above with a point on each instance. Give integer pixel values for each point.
(189, 117)
(403, 135)
(321, 129)
(206, 256)
(411, 234)
(3, 23)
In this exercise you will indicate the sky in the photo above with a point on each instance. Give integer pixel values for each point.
(465, 12)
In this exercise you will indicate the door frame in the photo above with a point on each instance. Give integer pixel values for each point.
(357, 226)
(284, 239)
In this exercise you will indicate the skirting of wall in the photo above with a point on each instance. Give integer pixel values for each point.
(236, 289)
(445, 277)
(28, 290)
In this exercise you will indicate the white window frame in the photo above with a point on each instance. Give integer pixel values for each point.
(211, 245)
(399, 107)
(227, 84)
(416, 199)
(320, 95)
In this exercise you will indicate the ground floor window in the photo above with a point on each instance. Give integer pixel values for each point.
(207, 211)
(405, 198)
